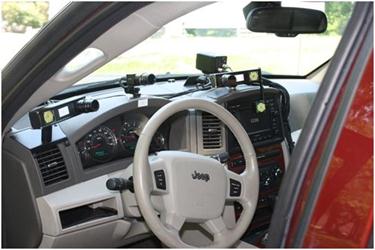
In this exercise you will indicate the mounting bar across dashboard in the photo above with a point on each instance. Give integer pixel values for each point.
(242, 77)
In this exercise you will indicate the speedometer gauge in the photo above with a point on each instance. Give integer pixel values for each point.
(100, 145)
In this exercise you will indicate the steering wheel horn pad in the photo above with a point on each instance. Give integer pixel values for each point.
(196, 184)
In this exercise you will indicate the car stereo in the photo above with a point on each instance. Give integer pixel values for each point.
(264, 126)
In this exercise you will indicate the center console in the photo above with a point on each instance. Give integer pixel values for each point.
(266, 132)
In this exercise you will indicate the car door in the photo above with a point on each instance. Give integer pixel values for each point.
(326, 199)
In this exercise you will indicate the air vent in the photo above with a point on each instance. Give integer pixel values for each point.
(211, 131)
(51, 165)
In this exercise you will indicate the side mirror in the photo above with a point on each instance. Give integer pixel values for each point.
(286, 21)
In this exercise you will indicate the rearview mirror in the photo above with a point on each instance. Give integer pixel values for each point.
(286, 21)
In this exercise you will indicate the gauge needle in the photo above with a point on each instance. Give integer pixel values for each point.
(96, 145)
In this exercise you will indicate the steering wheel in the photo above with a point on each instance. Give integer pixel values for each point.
(193, 188)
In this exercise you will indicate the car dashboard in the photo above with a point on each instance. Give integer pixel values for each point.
(66, 179)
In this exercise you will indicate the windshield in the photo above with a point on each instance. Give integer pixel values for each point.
(220, 29)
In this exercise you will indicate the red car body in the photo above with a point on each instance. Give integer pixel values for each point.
(343, 214)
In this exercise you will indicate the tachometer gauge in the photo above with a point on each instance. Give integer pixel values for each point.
(100, 145)
(130, 131)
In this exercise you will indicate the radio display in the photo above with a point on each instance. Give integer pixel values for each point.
(262, 123)
(252, 121)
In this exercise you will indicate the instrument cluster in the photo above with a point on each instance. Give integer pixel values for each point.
(117, 138)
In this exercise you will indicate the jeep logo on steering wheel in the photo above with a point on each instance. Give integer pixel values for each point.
(200, 176)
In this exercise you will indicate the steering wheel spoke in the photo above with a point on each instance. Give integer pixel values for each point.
(216, 227)
(172, 221)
